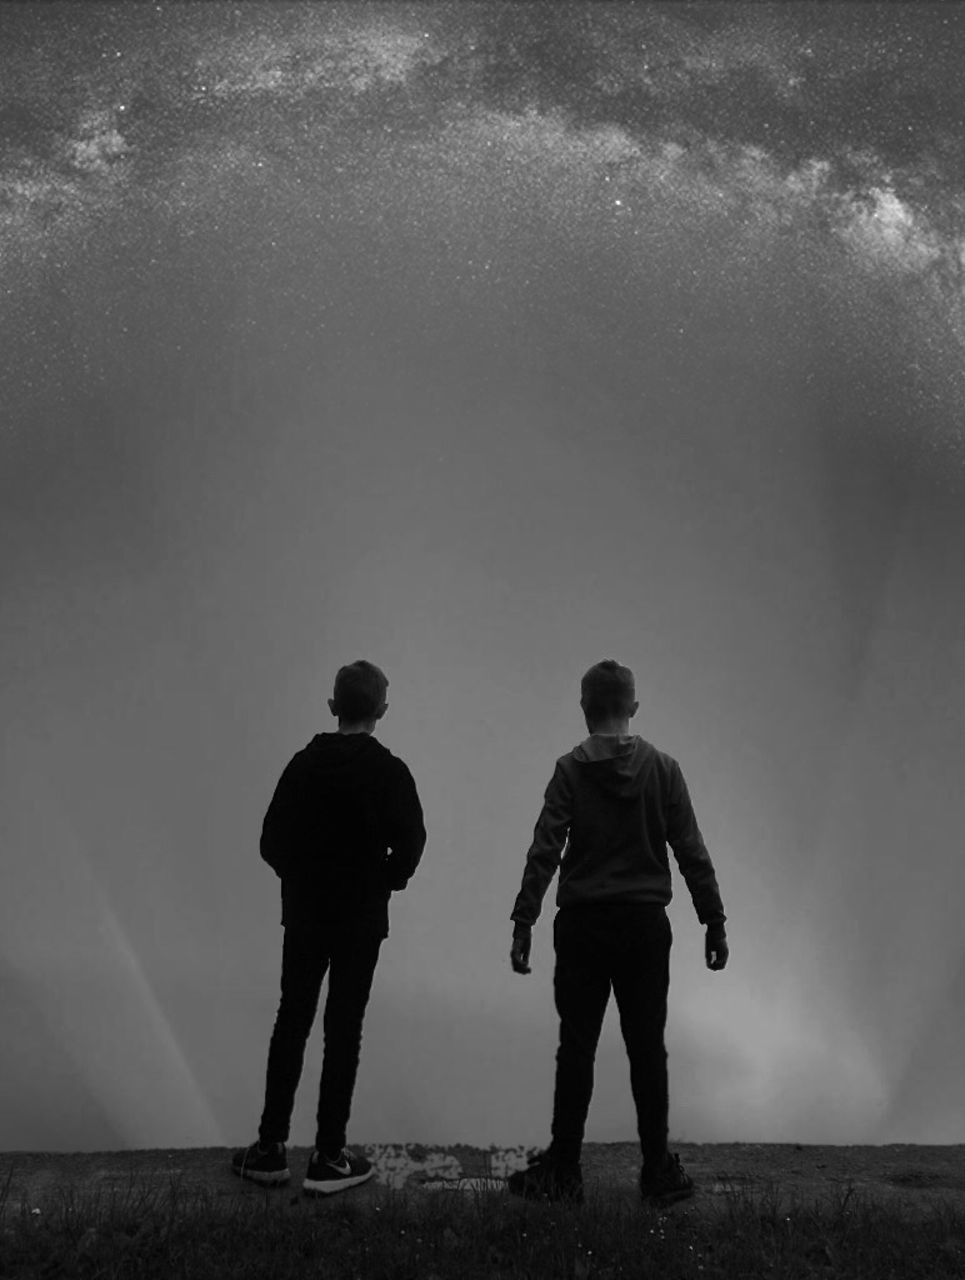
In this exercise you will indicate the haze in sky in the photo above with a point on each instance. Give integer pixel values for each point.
(484, 342)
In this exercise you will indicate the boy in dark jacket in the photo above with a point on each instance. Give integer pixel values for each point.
(344, 828)
(612, 805)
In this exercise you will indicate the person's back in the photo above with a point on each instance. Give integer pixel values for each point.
(623, 802)
(344, 829)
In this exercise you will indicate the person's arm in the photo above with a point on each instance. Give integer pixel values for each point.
(543, 857)
(282, 825)
(683, 836)
(404, 826)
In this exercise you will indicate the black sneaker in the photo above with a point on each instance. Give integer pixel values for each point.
(326, 1175)
(664, 1186)
(548, 1178)
(267, 1164)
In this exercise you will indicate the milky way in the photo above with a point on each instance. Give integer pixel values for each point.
(722, 142)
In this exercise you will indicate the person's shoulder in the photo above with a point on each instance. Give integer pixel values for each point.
(659, 764)
(668, 766)
(389, 760)
(566, 767)
(306, 754)
(300, 757)
(664, 758)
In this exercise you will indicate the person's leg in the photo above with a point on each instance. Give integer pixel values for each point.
(581, 984)
(641, 981)
(304, 961)
(355, 952)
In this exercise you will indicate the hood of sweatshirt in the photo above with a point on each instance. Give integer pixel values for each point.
(340, 755)
(618, 764)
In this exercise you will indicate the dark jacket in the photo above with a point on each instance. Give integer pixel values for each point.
(614, 803)
(344, 828)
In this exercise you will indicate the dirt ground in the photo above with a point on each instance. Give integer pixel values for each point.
(911, 1178)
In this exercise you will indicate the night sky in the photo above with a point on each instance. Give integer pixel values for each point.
(483, 342)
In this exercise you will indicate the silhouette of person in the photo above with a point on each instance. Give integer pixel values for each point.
(345, 829)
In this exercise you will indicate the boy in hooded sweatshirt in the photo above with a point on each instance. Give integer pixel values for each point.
(611, 807)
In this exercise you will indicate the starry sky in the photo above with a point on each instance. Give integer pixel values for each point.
(483, 341)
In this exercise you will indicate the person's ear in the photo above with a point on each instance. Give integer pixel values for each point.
(633, 709)
(331, 706)
(381, 711)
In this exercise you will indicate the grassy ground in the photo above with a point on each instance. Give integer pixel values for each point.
(168, 1232)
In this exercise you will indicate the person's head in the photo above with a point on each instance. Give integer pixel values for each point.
(608, 697)
(359, 697)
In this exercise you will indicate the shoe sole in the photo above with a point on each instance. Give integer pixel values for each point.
(268, 1179)
(330, 1186)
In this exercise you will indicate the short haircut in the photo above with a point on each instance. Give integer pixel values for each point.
(360, 690)
(607, 691)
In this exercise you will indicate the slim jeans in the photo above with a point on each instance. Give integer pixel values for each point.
(625, 946)
(348, 951)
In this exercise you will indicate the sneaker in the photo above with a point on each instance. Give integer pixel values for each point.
(266, 1163)
(548, 1178)
(327, 1175)
(664, 1186)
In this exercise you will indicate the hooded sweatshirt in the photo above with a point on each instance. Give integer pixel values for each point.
(612, 806)
(344, 828)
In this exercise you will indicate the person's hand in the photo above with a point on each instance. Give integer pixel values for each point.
(715, 948)
(519, 955)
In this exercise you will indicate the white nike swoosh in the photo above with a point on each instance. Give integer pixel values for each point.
(342, 1168)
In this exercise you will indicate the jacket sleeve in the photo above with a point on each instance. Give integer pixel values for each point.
(404, 827)
(281, 828)
(683, 836)
(549, 841)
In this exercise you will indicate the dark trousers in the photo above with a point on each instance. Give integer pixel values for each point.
(348, 951)
(625, 946)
